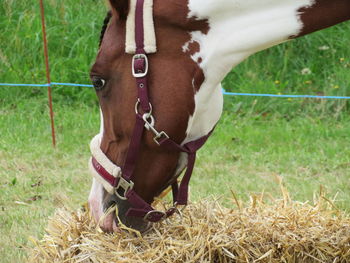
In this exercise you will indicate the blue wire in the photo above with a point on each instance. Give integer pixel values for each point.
(23, 85)
(71, 84)
(45, 85)
(223, 91)
(283, 96)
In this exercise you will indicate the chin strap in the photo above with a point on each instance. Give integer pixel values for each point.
(118, 180)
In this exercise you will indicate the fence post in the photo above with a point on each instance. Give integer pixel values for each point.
(46, 55)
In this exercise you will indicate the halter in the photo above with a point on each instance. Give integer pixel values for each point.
(118, 180)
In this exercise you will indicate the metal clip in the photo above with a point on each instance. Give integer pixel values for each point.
(139, 74)
(149, 125)
(149, 121)
(125, 186)
(159, 136)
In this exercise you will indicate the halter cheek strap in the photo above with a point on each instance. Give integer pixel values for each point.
(118, 180)
(101, 167)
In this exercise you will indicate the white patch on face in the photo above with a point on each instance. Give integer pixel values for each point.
(96, 192)
(237, 29)
(101, 122)
(96, 200)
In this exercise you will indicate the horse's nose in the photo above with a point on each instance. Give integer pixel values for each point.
(122, 207)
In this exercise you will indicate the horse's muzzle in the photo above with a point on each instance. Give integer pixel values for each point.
(122, 206)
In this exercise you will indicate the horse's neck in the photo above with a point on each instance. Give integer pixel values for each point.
(240, 28)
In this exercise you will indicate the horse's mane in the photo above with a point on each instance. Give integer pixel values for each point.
(104, 27)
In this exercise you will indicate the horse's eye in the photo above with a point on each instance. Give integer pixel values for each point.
(98, 83)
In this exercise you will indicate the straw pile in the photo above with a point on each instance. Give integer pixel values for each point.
(282, 231)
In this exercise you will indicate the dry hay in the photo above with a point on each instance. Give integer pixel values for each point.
(282, 231)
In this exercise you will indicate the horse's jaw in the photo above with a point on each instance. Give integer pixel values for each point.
(100, 204)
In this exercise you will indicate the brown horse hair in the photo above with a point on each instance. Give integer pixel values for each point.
(104, 27)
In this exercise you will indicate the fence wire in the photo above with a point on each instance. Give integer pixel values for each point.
(224, 92)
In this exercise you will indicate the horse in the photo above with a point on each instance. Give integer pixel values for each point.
(157, 77)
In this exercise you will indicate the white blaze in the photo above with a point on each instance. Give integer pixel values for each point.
(237, 29)
(96, 192)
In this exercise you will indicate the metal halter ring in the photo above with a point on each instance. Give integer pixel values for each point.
(137, 108)
(146, 218)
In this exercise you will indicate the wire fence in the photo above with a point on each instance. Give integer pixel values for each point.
(224, 92)
(45, 85)
(50, 84)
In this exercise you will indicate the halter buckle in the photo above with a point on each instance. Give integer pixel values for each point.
(137, 73)
(125, 186)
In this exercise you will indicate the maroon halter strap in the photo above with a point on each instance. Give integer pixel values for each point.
(139, 28)
(123, 185)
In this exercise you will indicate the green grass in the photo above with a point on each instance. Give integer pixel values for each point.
(279, 71)
(247, 154)
(244, 155)
(73, 30)
(304, 141)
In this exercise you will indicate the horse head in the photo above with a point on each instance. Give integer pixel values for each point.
(157, 76)
(174, 77)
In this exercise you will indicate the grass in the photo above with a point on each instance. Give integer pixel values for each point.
(249, 154)
(244, 155)
(305, 141)
(72, 30)
(317, 64)
(36, 178)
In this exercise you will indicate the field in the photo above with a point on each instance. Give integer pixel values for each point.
(305, 141)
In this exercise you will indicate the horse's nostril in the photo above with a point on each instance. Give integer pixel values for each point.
(109, 200)
(119, 215)
(108, 205)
